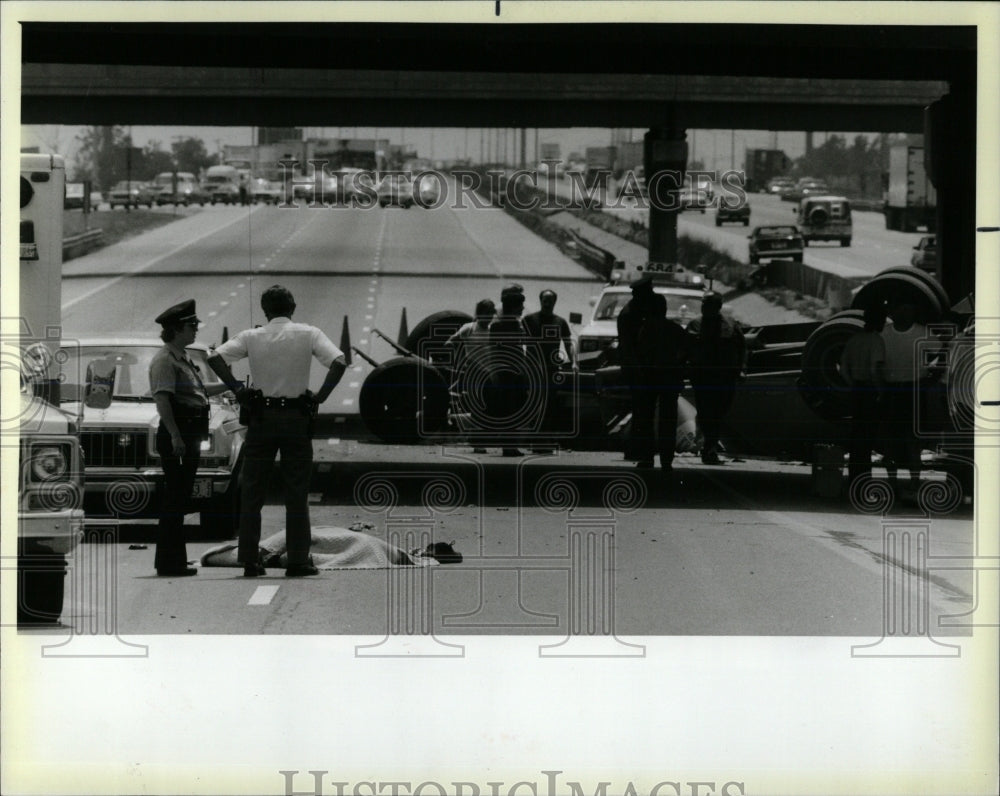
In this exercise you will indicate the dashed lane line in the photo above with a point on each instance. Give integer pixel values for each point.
(263, 595)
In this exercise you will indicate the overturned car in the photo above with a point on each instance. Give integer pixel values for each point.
(793, 396)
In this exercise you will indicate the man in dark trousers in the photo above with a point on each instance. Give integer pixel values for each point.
(182, 403)
(509, 366)
(280, 420)
(548, 334)
(662, 352)
(862, 364)
(630, 321)
(717, 356)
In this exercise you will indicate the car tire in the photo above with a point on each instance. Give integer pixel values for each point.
(717, 222)
(805, 242)
(41, 583)
(845, 242)
(746, 222)
(754, 260)
(438, 327)
(403, 400)
(820, 384)
(905, 284)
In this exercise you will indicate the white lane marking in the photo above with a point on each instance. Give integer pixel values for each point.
(369, 317)
(150, 263)
(348, 401)
(366, 328)
(333, 441)
(212, 313)
(354, 384)
(232, 294)
(263, 595)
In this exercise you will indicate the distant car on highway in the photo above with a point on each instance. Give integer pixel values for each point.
(123, 474)
(221, 183)
(825, 217)
(739, 213)
(188, 193)
(267, 191)
(131, 194)
(775, 243)
(395, 189)
(924, 254)
(807, 186)
(779, 185)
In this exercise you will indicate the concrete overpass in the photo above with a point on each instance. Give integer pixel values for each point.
(665, 77)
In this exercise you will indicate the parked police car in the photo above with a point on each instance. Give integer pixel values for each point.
(597, 342)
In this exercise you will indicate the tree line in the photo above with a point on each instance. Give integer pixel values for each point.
(106, 156)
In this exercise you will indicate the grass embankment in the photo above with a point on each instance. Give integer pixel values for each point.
(115, 225)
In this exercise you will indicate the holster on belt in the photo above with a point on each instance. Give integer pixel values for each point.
(251, 407)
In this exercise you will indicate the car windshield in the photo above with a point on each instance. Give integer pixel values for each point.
(678, 306)
(775, 232)
(130, 364)
(217, 178)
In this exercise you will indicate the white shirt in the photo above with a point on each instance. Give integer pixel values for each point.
(280, 355)
(902, 353)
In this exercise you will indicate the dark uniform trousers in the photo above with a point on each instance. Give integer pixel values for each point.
(865, 408)
(655, 396)
(272, 430)
(178, 476)
(713, 399)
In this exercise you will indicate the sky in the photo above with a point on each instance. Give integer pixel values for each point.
(714, 147)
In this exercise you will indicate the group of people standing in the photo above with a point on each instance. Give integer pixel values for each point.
(506, 368)
(887, 370)
(656, 356)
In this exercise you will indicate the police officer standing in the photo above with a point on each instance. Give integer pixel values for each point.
(281, 411)
(182, 403)
(630, 322)
(718, 351)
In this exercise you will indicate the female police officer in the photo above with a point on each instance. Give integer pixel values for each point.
(182, 402)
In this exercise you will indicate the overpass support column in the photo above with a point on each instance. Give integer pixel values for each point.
(665, 158)
(950, 154)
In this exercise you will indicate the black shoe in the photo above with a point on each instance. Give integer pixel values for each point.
(711, 458)
(301, 571)
(177, 573)
(254, 570)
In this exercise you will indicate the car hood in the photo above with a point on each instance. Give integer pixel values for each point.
(129, 414)
(40, 417)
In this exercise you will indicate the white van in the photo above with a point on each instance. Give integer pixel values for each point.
(222, 184)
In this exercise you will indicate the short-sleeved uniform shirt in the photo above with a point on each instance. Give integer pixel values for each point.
(173, 372)
(280, 354)
(546, 334)
(859, 362)
(901, 353)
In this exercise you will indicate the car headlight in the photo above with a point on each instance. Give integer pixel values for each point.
(48, 462)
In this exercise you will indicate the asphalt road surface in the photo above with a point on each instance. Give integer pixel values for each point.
(746, 549)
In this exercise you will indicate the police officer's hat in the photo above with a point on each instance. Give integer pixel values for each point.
(644, 282)
(178, 314)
